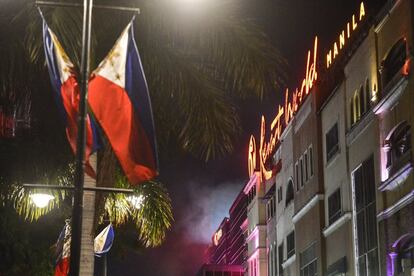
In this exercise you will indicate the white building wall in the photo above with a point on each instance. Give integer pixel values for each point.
(284, 214)
(256, 235)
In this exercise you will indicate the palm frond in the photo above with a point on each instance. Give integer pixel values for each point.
(23, 203)
(116, 209)
(189, 107)
(152, 216)
(155, 216)
(66, 23)
(196, 68)
(25, 206)
(227, 46)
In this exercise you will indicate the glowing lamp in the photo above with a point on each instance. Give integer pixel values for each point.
(136, 201)
(41, 200)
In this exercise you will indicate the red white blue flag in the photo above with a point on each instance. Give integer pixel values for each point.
(103, 242)
(66, 94)
(119, 99)
(63, 251)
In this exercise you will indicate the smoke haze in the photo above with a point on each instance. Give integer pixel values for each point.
(208, 206)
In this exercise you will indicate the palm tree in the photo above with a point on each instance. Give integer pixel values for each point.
(149, 208)
(197, 65)
(199, 62)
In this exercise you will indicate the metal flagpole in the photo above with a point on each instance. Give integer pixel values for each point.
(77, 212)
(105, 264)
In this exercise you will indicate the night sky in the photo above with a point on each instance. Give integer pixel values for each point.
(202, 193)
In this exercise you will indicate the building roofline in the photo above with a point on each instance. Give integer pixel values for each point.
(237, 201)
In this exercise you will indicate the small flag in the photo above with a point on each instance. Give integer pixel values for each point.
(119, 99)
(103, 242)
(63, 251)
(67, 95)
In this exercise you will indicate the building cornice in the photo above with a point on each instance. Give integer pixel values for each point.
(389, 9)
(289, 261)
(337, 224)
(302, 114)
(359, 127)
(256, 252)
(393, 92)
(252, 181)
(403, 202)
(236, 202)
(397, 179)
(286, 131)
(256, 231)
(305, 209)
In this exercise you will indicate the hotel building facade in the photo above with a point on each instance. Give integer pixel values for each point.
(331, 192)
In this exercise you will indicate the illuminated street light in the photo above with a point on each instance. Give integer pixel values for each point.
(136, 201)
(41, 200)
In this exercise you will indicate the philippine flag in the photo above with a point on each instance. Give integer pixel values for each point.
(119, 99)
(103, 242)
(63, 251)
(66, 94)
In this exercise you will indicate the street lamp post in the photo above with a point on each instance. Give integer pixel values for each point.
(77, 212)
(41, 199)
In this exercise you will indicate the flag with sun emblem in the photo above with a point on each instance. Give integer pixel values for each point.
(119, 99)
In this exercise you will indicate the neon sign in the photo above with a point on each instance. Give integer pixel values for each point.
(344, 36)
(284, 116)
(292, 103)
(217, 236)
(252, 156)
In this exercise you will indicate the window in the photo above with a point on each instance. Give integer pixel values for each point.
(274, 259)
(289, 192)
(393, 62)
(331, 139)
(271, 208)
(397, 147)
(351, 112)
(334, 206)
(297, 176)
(308, 262)
(310, 151)
(279, 194)
(357, 107)
(301, 172)
(251, 195)
(404, 249)
(268, 206)
(290, 243)
(362, 100)
(366, 224)
(306, 166)
(254, 267)
(269, 261)
(280, 252)
(368, 95)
